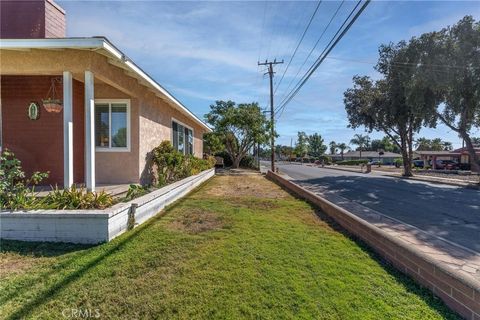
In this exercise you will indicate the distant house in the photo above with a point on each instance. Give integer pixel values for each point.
(109, 115)
(460, 155)
(386, 158)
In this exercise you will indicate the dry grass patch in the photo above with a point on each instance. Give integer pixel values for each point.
(12, 264)
(245, 186)
(195, 221)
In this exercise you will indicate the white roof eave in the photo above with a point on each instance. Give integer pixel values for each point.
(92, 44)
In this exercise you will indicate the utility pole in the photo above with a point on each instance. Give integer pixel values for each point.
(272, 112)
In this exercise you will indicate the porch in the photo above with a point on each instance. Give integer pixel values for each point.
(65, 142)
(115, 190)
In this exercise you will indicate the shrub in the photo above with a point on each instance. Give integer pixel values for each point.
(15, 187)
(77, 198)
(398, 162)
(352, 162)
(171, 165)
(248, 162)
(135, 191)
(326, 159)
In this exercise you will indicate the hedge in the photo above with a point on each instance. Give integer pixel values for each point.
(352, 162)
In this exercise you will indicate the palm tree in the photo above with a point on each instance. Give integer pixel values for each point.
(333, 147)
(361, 141)
(342, 146)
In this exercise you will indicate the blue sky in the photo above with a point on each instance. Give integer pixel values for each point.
(205, 51)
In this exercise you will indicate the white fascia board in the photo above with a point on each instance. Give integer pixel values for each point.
(53, 43)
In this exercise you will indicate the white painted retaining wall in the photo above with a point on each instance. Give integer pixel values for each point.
(92, 226)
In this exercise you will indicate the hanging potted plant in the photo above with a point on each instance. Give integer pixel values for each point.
(52, 103)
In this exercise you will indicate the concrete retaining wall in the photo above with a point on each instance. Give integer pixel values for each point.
(461, 294)
(93, 226)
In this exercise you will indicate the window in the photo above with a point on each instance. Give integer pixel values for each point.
(182, 137)
(112, 125)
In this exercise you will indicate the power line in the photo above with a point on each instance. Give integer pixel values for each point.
(299, 43)
(330, 46)
(406, 64)
(313, 48)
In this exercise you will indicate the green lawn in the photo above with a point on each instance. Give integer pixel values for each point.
(239, 247)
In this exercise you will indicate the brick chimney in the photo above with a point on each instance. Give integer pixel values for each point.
(31, 19)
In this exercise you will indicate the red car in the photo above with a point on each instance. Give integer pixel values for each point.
(446, 165)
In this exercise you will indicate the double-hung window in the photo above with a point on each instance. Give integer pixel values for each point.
(182, 137)
(112, 125)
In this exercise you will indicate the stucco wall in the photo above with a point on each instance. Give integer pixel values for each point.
(118, 167)
(156, 126)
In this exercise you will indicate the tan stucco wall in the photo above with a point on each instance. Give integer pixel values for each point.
(156, 126)
(118, 167)
(151, 114)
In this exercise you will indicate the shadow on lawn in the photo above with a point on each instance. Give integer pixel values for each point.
(406, 281)
(40, 249)
(50, 292)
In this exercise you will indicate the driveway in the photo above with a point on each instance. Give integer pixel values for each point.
(449, 212)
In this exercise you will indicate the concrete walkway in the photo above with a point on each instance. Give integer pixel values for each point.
(441, 221)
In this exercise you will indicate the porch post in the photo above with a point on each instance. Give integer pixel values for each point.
(89, 132)
(67, 130)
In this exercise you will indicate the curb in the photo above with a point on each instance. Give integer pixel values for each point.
(461, 294)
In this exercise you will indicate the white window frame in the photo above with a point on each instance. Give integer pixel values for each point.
(110, 148)
(188, 127)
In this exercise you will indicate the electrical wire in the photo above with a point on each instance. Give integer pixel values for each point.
(330, 46)
(299, 43)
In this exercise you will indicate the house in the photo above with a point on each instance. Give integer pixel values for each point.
(109, 116)
(460, 155)
(385, 158)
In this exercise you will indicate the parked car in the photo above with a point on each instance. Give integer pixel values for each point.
(451, 165)
(375, 162)
(418, 163)
(446, 165)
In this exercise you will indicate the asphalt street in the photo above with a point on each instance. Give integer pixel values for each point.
(450, 212)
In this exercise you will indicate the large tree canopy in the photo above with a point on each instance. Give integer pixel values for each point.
(238, 127)
(450, 63)
(397, 104)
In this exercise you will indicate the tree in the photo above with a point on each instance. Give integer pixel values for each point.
(437, 144)
(385, 144)
(301, 148)
(342, 147)
(238, 126)
(361, 141)
(423, 144)
(333, 147)
(475, 141)
(316, 146)
(212, 143)
(457, 48)
(399, 103)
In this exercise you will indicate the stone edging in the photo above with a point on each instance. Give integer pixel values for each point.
(460, 293)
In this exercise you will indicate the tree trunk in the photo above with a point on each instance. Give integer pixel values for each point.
(407, 164)
(236, 162)
(473, 157)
